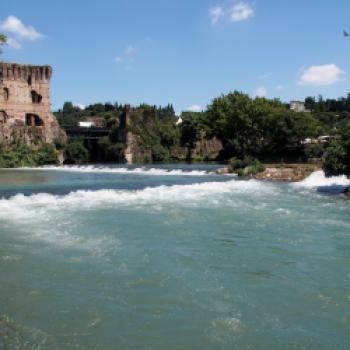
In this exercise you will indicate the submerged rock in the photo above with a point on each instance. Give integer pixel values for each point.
(347, 192)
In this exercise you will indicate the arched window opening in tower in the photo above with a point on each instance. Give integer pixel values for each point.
(6, 94)
(33, 120)
(36, 98)
(3, 117)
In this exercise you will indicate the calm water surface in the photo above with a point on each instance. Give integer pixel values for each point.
(172, 258)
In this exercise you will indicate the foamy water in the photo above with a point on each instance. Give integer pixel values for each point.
(177, 194)
(152, 171)
(318, 179)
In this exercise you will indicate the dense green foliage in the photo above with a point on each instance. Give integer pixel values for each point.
(153, 126)
(341, 104)
(21, 155)
(313, 151)
(112, 151)
(192, 130)
(3, 41)
(259, 127)
(71, 115)
(155, 130)
(245, 167)
(76, 152)
(248, 127)
(333, 114)
(337, 160)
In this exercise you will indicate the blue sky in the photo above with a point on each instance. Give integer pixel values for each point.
(182, 52)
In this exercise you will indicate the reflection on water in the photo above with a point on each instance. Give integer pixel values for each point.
(9, 177)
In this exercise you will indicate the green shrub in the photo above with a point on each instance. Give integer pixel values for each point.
(197, 158)
(235, 164)
(76, 152)
(335, 160)
(246, 166)
(254, 169)
(104, 142)
(159, 153)
(46, 154)
(313, 151)
(58, 144)
(21, 155)
(115, 152)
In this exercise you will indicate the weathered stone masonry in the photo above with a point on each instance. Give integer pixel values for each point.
(25, 108)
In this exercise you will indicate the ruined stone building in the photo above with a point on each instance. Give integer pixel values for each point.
(298, 106)
(25, 108)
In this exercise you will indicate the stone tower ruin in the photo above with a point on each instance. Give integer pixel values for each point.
(25, 108)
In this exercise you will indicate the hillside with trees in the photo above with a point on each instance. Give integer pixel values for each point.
(257, 128)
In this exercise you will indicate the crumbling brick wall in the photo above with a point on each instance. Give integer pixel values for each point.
(25, 108)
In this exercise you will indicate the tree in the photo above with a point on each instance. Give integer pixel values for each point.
(3, 41)
(46, 154)
(191, 128)
(310, 103)
(337, 160)
(76, 152)
(334, 163)
(231, 118)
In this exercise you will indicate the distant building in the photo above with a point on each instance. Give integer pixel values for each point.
(93, 122)
(85, 124)
(298, 106)
(179, 121)
(320, 140)
(97, 122)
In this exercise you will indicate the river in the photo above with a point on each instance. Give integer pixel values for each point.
(172, 257)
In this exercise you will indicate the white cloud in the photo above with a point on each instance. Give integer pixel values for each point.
(261, 92)
(126, 56)
(280, 87)
(323, 75)
(241, 12)
(15, 26)
(195, 108)
(265, 76)
(13, 43)
(215, 13)
(130, 50)
(119, 60)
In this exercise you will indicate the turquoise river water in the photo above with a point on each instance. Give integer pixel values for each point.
(172, 257)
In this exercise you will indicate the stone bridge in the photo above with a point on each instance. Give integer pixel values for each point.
(85, 133)
(90, 137)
